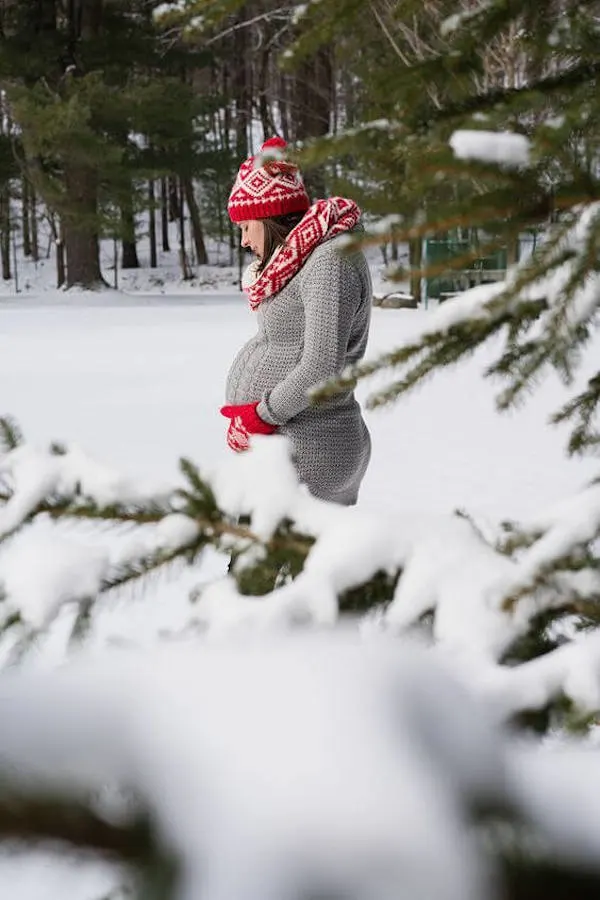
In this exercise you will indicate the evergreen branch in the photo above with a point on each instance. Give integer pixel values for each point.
(42, 818)
(584, 407)
(517, 539)
(388, 34)
(66, 508)
(201, 497)
(125, 513)
(575, 76)
(440, 348)
(536, 641)
(282, 12)
(199, 505)
(284, 544)
(283, 539)
(23, 644)
(11, 621)
(577, 559)
(10, 434)
(83, 621)
(142, 567)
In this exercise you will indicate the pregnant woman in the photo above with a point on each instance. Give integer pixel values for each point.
(313, 306)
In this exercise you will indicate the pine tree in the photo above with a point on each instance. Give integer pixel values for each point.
(84, 82)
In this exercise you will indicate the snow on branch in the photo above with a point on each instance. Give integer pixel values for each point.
(265, 768)
(572, 670)
(193, 734)
(491, 146)
(33, 475)
(310, 561)
(565, 534)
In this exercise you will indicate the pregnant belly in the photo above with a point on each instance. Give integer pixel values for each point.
(257, 368)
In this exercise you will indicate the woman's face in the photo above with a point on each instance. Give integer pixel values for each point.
(253, 236)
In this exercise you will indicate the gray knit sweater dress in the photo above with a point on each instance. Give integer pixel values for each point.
(312, 329)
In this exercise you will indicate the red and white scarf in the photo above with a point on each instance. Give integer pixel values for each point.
(324, 220)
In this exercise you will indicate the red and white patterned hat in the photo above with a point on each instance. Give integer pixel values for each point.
(267, 185)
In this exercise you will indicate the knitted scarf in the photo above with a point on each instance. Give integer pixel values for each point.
(324, 220)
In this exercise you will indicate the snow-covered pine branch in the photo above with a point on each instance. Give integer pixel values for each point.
(545, 310)
(312, 562)
(290, 765)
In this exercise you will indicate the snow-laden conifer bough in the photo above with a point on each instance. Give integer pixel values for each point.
(277, 745)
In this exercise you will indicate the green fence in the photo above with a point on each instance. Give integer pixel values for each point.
(479, 269)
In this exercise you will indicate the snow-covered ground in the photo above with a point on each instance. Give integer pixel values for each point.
(138, 380)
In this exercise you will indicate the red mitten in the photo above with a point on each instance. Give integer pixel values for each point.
(244, 421)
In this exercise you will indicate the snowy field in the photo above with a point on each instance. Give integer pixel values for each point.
(138, 380)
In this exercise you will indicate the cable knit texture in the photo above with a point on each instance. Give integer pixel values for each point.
(312, 329)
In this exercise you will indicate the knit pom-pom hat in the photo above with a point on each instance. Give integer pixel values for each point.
(267, 185)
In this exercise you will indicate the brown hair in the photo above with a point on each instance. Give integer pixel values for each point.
(277, 229)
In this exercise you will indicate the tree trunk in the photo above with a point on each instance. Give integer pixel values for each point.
(242, 88)
(129, 248)
(415, 256)
(164, 215)
(284, 105)
(152, 224)
(313, 92)
(227, 145)
(79, 214)
(394, 246)
(186, 273)
(60, 257)
(174, 199)
(512, 252)
(90, 17)
(26, 232)
(263, 100)
(5, 233)
(35, 246)
(197, 234)
(81, 228)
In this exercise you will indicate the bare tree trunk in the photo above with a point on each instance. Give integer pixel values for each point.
(266, 119)
(224, 144)
(227, 143)
(5, 233)
(164, 215)
(186, 272)
(152, 224)
(313, 98)
(242, 87)
(196, 223)
(61, 275)
(174, 199)
(25, 230)
(128, 244)
(284, 105)
(35, 247)
(394, 246)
